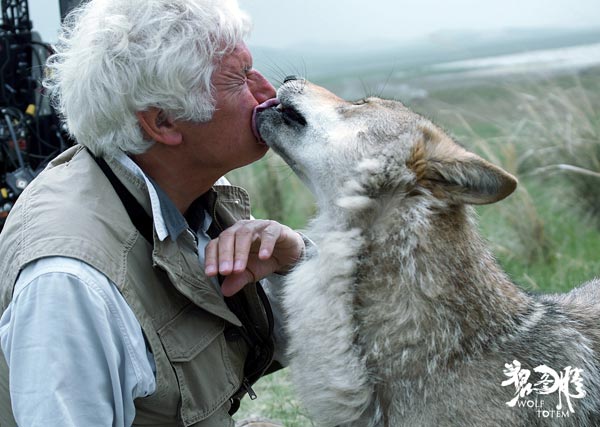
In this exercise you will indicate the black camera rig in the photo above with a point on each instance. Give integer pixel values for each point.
(30, 131)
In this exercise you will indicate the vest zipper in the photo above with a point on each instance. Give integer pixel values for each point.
(246, 385)
(255, 342)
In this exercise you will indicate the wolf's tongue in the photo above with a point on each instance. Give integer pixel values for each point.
(267, 104)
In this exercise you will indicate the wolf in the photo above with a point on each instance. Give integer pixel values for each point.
(401, 316)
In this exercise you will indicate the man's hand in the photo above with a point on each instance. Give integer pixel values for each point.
(250, 250)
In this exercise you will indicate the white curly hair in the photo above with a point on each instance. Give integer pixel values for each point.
(117, 57)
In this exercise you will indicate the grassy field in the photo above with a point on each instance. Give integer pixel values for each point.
(544, 130)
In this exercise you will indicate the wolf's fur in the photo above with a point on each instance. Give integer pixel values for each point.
(403, 317)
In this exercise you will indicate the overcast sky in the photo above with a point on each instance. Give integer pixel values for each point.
(281, 23)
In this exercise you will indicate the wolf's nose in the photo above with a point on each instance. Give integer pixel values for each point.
(288, 78)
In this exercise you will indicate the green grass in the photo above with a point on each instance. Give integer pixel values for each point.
(275, 401)
(275, 192)
(543, 243)
(546, 235)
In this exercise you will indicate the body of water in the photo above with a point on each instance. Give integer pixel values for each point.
(568, 58)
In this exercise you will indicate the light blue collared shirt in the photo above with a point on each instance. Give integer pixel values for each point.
(75, 350)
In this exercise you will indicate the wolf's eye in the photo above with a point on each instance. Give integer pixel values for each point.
(360, 102)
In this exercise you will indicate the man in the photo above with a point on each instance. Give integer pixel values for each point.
(115, 308)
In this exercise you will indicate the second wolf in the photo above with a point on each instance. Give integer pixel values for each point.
(403, 317)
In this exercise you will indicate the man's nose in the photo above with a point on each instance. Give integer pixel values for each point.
(262, 89)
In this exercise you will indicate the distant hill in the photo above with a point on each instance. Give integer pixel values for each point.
(321, 60)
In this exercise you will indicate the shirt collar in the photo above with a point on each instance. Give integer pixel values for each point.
(171, 217)
(168, 221)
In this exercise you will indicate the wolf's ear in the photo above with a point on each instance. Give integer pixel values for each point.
(451, 172)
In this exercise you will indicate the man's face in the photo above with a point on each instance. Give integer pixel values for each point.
(227, 142)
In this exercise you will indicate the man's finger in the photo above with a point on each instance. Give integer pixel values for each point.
(211, 259)
(226, 245)
(244, 238)
(268, 239)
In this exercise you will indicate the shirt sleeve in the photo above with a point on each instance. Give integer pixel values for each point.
(76, 353)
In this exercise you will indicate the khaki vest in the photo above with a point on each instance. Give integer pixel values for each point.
(71, 210)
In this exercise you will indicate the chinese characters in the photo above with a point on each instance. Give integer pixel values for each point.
(568, 383)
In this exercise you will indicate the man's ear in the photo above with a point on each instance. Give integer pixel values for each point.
(159, 127)
(454, 173)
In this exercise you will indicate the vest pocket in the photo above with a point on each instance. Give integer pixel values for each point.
(207, 374)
